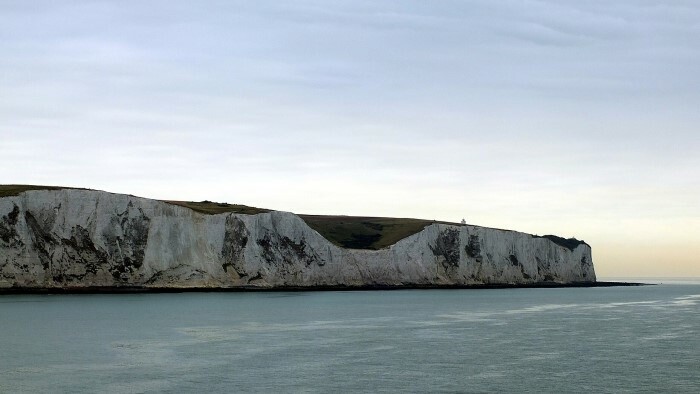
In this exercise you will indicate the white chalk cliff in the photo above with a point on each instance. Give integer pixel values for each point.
(82, 238)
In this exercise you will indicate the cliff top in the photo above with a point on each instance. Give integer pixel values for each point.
(358, 232)
(15, 190)
(213, 208)
(355, 232)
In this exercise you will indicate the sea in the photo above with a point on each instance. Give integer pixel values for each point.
(555, 340)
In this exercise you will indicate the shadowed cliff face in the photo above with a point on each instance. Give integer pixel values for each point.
(76, 238)
(235, 240)
(447, 251)
(71, 258)
(8, 233)
(473, 249)
(126, 239)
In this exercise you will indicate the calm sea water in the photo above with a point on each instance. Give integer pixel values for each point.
(621, 339)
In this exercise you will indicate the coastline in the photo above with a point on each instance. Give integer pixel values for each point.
(143, 289)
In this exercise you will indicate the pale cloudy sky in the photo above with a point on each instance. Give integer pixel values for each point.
(576, 118)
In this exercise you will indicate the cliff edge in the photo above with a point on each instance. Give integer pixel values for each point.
(73, 238)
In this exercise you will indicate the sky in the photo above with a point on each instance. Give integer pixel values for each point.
(574, 118)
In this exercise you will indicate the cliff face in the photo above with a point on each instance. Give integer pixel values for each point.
(78, 238)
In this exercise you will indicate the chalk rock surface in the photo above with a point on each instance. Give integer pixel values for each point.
(83, 238)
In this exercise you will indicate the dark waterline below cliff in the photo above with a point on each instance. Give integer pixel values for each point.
(600, 339)
(151, 289)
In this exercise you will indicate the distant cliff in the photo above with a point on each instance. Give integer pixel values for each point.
(66, 238)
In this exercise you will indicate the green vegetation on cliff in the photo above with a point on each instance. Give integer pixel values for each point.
(15, 190)
(569, 243)
(214, 208)
(353, 232)
(346, 231)
(357, 232)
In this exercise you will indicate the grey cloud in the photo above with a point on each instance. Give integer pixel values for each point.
(453, 93)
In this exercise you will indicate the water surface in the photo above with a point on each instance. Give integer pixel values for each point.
(619, 339)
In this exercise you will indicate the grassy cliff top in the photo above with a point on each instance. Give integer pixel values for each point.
(346, 231)
(569, 243)
(355, 232)
(213, 208)
(358, 232)
(15, 190)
